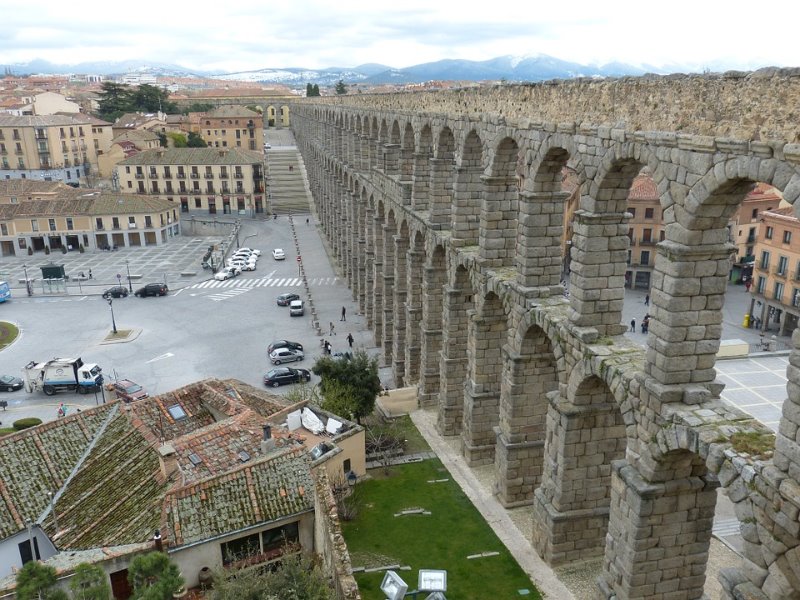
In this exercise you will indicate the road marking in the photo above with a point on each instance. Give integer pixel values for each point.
(229, 294)
(161, 357)
(178, 292)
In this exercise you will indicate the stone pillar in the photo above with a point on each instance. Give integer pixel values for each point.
(658, 536)
(686, 298)
(519, 452)
(466, 207)
(377, 278)
(369, 267)
(398, 319)
(361, 248)
(453, 363)
(433, 278)
(572, 503)
(407, 163)
(540, 227)
(387, 285)
(441, 190)
(599, 256)
(413, 315)
(364, 154)
(498, 223)
(391, 159)
(421, 179)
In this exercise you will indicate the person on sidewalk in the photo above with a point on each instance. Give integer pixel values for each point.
(331, 333)
(647, 300)
(344, 314)
(90, 273)
(633, 325)
(350, 339)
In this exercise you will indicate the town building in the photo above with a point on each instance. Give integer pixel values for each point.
(744, 228)
(224, 474)
(233, 127)
(202, 180)
(775, 303)
(645, 230)
(126, 144)
(133, 121)
(51, 147)
(13, 191)
(72, 219)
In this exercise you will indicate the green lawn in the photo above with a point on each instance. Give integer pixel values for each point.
(8, 333)
(441, 540)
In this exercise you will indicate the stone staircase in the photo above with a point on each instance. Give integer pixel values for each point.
(286, 182)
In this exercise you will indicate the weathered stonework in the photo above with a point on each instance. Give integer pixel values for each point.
(456, 200)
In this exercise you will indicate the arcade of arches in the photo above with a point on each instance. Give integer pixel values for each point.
(445, 213)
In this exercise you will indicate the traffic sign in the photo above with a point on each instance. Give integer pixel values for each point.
(299, 259)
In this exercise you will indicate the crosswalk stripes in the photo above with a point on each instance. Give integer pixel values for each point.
(280, 282)
(232, 293)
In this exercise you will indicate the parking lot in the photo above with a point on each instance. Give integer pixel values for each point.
(202, 328)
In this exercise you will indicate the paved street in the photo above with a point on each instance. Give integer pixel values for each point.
(203, 328)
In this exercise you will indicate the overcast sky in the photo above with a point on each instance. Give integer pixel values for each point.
(238, 35)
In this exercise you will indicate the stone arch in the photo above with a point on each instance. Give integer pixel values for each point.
(407, 155)
(399, 297)
(421, 181)
(498, 220)
(459, 305)
(488, 335)
(467, 191)
(390, 227)
(586, 435)
(378, 265)
(415, 263)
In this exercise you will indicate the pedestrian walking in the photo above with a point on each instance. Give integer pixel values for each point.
(327, 347)
(90, 273)
(647, 300)
(344, 314)
(350, 339)
(331, 333)
(633, 325)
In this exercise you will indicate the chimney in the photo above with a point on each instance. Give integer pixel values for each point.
(159, 546)
(168, 459)
(267, 442)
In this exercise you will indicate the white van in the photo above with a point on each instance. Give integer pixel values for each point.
(296, 308)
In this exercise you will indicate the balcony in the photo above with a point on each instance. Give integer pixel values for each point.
(19, 152)
(153, 175)
(223, 175)
(779, 272)
(751, 239)
(139, 175)
(238, 175)
(195, 175)
(209, 175)
(644, 242)
(181, 175)
(40, 135)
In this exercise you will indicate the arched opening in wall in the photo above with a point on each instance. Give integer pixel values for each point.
(660, 527)
(283, 118)
(528, 378)
(459, 304)
(488, 336)
(407, 154)
(441, 190)
(399, 297)
(585, 435)
(499, 208)
(570, 184)
(391, 151)
(388, 283)
(269, 114)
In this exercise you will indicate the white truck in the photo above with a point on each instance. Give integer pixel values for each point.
(70, 374)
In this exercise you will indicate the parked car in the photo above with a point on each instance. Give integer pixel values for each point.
(278, 254)
(152, 289)
(115, 292)
(227, 273)
(9, 383)
(255, 251)
(283, 355)
(284, 375)
(128, 390)
(284, 344)
(285, 299)
(296, 308)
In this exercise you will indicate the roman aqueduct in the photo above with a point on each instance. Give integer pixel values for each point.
(444, 210)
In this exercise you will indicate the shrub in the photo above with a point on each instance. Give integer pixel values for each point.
(21, 424)
(6, 431)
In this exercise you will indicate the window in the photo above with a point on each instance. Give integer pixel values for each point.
(34, 225)
(130, 184)
(177, 412)
(131, 222)
(755, 213)
(99, 222)
(787, 237)
(648, 213)
(51, 224)
(3, 229)
(148, 221)
(346, 466)
(768, 234)
(240, 549)
(70, 226)
(762, 284)
(764, 260)
(198, 203)
(115, 222)
(795, 297)
(647, 235)
(778, 294)
(783, 264)
(645, 257)
(128, 170)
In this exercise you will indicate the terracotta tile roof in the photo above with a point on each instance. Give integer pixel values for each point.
(26, 187)
(41, 121)
(643, 188)
(786, 213)
(230, 111)
(90, 118)
(134, 120)
(73, 202)
(135, 135)
(261, 491)
(36, 461)
(194, 156)
(264, 403)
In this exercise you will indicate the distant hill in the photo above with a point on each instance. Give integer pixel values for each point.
(536, 67)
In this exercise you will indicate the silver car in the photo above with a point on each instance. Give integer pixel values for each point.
(284, 355)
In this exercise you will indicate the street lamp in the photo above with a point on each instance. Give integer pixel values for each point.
(113, 322)
(128, 269)
(27, 283)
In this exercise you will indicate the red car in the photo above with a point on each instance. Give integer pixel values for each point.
(128, 390)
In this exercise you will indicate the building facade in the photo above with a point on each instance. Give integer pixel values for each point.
(200, 180)
(233, 127)
(775, 305)
(51, 147)
(90, 219)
